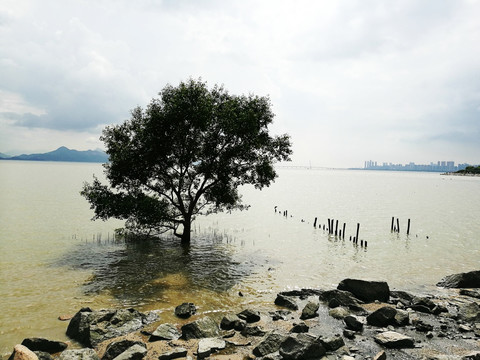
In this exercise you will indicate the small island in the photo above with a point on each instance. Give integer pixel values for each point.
(468, 171)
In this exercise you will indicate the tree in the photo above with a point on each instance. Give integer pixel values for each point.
(185, 155)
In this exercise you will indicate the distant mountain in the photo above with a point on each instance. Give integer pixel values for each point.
(65, 154)
(4, 156)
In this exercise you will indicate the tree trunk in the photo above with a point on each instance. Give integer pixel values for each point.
(186, 232)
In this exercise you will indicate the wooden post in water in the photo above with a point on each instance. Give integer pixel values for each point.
(328, 225)
(315, 223)
(336, 228)
(398, 225)
(358, 229)
(343, 231)
(408, 227)
(393, 219)
(365, 243)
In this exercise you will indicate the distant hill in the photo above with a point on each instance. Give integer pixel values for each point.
(4, 156)
(65, 154)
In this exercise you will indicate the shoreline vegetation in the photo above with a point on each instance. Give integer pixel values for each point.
(468, 171)
(358, 320)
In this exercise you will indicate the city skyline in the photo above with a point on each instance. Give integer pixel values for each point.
(440, 165)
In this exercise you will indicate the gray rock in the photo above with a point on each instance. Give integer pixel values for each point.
(309, 311)
(174, 354)
(42, 355)
(280, 314)
(353, 323)
(231, 321)
(252, 331)
(474, 355)
(299, 328)
(208, 346)
(338, 312)
(92, 327)
(462, 280)
(469, 312)
(402, 318)
(185, 310)
(116, 348)
(340, 298)
(367, 291)
(203, 328)
(286, 301)
(422, 326)
(382, 317)
(21, 352)
(332, 343)
(165, 332)
(302, 346)
(470, 292)
(79, 354)
(380, 356)
(250, 316)
(349, 334)
(269, 344)
(41, 344)
(394, 340)
(136, 352)
(404, 297)
(423, 304)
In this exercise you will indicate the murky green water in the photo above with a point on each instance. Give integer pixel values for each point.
(54, 260)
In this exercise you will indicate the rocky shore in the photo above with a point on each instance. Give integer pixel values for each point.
(357, 320)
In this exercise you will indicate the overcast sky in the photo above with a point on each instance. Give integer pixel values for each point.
(391, 81)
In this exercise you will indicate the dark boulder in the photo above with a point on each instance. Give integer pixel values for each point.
(309, 311)
(462, 280)
(299, 328)
(92, 327)
(231, 321)
(332, 343)
(271, 343)
(116, 348)
(202, 328)
(340, 298)
(253, 331)
(185, 310)
(40, 344)
(302, 346)
(286, 301)
(353, 323)
(250, 316)
(367, 291)
(382, 317)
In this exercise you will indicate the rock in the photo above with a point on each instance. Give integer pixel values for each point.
(462, 280)
(40, 344)
(469, 312)
(165, 332)
(252, 331)
(42, 355)
(464, 328)
(280, 314)
(21, 352)
(65, 317)
(394, 340)
(185, 310)
(203, 328)
(353, 323)
(309, 311)
(339, 313)
(286, 301)
(116, 348)
(404, 297)
(471, 293)
(301, 346)
(349, 334)
(136, 352)
(422, 326)
(380, 356)
(340, 298)
(402, 318)
(382, 317)
(250, 316)
(208, 346)
(367, 291)
(474, 355)
(303, 293)
(174, 354)
(423, 304)
(269, 344)
(332, 343)
(231, 321)
(92, 327)
(299, 328)
(79, 354)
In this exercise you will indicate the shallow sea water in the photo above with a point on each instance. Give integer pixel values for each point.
(54, 260)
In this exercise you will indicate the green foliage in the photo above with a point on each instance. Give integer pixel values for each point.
(470, 170)
(186, 154)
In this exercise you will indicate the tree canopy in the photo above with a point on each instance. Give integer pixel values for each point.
(184, 155)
